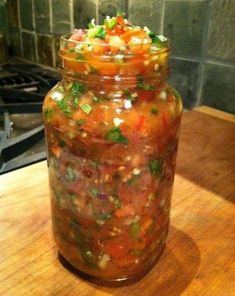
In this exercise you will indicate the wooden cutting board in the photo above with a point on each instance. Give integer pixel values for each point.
(199, 258)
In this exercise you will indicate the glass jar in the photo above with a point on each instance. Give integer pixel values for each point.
(112, 127)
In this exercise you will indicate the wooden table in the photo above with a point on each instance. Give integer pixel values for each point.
(200, 255)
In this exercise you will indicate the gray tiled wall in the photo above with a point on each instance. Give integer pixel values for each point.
(184, 24)
(201, 33)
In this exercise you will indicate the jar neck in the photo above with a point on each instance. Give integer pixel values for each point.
(79, 63)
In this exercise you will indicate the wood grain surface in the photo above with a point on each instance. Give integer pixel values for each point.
(199, 258)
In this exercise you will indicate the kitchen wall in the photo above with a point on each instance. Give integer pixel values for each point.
(201, 33)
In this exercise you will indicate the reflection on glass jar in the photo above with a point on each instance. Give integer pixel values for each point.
(112, 127)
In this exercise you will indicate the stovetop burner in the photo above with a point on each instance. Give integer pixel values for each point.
(22, 90)
(19, 81)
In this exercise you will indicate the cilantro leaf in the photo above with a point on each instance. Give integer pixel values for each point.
(81, 121)
(91, 26)
(154, 111)
(115, 135)
(147, 87)
(155, 167)
(64, 107)
(103, 216)
(100, 33)
(95, 99)
(120, 13)
(92, 69)
(48, 113)
(93, 191)
(110, 24)
(80, 57)
(154, 37)
(97, 32)
(75, 102)
(142, 85)
(78, 88)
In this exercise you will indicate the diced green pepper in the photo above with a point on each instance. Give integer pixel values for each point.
(86, 108)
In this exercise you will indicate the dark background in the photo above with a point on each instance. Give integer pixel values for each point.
(201, 32)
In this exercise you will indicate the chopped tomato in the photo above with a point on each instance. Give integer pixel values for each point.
(120, 20)
(140, 122)
(96, 45)
(125, 211)
(146, 95)
(137, 33)
(115, 43)
(56, 150)
(118, 247)
(166, 118)
(77, 35)
(126, 261)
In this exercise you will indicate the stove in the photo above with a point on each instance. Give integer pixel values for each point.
(22, 90)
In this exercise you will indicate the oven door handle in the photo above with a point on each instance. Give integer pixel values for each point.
(19, 163)
(11, 148)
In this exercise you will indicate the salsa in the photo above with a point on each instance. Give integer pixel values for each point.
(112, 127)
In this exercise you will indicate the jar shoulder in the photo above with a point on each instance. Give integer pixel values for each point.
(101, 109)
